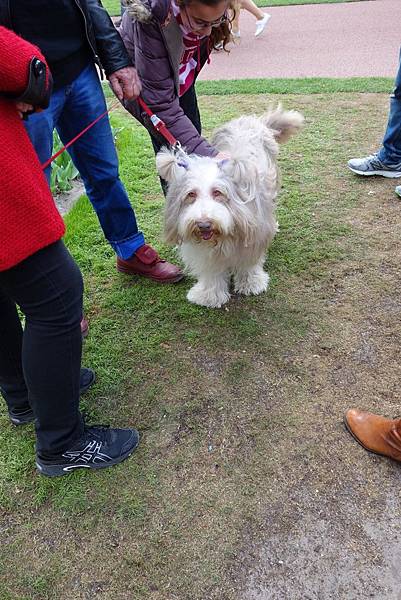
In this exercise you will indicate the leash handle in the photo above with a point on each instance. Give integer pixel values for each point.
(158, 124)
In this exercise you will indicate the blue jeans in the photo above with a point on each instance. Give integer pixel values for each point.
(71, 109)
(390, 153)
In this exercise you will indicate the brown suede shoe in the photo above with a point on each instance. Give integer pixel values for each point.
(376, 434)
(147, 262)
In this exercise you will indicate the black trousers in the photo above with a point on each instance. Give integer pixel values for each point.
(189, 104)
(40, 364)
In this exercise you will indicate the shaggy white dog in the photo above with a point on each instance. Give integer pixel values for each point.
(221, 214)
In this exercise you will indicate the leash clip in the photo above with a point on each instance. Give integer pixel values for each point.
(156, 122)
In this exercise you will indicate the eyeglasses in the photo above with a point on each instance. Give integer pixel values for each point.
(197, 24)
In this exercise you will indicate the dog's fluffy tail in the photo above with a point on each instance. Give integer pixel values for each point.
(284, 123)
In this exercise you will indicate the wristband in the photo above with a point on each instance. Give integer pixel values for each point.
(39, 88)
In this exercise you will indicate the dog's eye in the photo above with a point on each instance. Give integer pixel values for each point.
(218, 195)
(190, 197)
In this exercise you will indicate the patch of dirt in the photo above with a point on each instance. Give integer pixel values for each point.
(66, 200)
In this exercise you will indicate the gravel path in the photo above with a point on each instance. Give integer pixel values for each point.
(351, 39)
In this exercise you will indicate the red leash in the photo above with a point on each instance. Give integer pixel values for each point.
(157, 123)
(81, 133)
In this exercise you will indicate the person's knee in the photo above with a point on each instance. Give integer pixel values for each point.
(65, 304)
(102, 183)
(99, 171)
(73, 293)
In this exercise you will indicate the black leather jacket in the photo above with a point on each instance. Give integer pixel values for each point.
(106, 44)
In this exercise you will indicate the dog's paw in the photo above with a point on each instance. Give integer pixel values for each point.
(210, 297)
(251, 282)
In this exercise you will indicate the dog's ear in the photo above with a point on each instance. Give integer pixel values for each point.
(239, 171)
(283, 123)
(169, 164)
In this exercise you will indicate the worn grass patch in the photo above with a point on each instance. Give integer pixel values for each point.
(218, 395)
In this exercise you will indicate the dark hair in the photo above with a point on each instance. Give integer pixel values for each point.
(219, 34)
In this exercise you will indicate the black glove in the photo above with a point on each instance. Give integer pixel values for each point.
(38, 91)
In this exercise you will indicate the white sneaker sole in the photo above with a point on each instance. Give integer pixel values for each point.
(389, 174)
(261, 30)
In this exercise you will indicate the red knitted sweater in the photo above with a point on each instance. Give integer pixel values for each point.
(29, 219)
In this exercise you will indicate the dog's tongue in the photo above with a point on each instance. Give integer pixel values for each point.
(206, 235)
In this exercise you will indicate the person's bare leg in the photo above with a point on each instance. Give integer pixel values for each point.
(251, 7)
(261, 17)
(235, 22)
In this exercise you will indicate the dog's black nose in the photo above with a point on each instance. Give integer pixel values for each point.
(204, 225)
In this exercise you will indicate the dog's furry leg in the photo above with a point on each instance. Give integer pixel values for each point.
(252, 280)
(211, 291)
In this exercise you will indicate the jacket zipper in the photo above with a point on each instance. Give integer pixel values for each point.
(170, 60)
(97, 59)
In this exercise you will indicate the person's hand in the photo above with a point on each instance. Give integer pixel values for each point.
(23, 108)
(125, 83)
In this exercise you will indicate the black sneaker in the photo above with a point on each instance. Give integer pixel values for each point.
(98, 448)
(87, 378)
(22, 416)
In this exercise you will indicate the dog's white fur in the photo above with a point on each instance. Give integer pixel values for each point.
(221, 214)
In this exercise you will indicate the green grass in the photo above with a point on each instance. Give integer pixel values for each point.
(113, 7)
(309, 85)
(210, 390)
(313, 85)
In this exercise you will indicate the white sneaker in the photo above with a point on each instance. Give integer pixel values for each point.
(398, 190)
(261, 24)
(236, 34)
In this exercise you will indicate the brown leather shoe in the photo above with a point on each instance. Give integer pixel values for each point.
(375, 433)
(147, 262)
